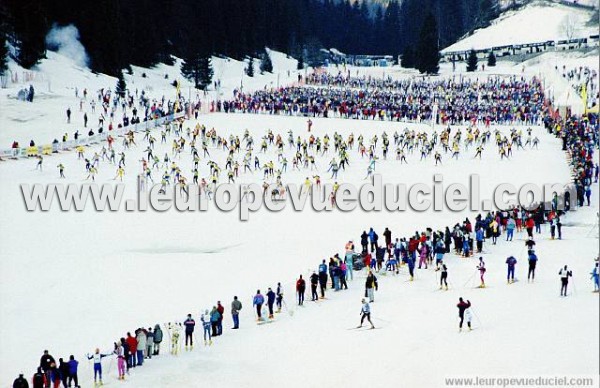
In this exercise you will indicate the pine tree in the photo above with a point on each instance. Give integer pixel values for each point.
(198, 68)
(408, 58)
(472, 61)
(265, 63)
(206, 72)
(300, 65)
(250, 68)
(491, 61)
(121, 85)
(3, 53)
(428, 53)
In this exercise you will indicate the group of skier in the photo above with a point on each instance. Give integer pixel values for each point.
(507, 100)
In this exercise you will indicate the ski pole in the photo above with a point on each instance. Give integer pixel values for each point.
(477, 316)
(470, 278)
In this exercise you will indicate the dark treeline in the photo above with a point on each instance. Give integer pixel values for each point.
(117, 33)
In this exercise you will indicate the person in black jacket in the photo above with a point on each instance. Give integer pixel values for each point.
(371, 286)
(45, 363)
(314, 280)
(270, 302)
(364, 240)
(20, 382)
(63, 369)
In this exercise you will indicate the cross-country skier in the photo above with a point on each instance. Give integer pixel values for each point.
(462, 308)
(97, 357)
(73, 365)
(564, 274)
(532, 263)
(510, 275)
(323, 278)
(482, 269)
(365, 312)
(45, 362)
(270, 302)
(444, 276)
(258, 302)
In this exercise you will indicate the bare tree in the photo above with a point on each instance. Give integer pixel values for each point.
(568, 26)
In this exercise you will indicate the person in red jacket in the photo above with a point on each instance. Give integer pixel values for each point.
(221, 310)
(529, 224)
(462, 307)
(132, 342)
(300, 289)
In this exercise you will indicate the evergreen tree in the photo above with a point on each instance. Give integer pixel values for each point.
(472, 61)
(197, 67)
(121, 87)
(3, 53)
(250, 68)
(428, 52)
(300, 65)
(408, 58)
(265, 63)
(491, 61)
(206, 72)
(28, 19)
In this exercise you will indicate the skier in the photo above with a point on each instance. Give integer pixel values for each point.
(481, 268)
(205, 319)
(300, 289)
(97, 356)
(365, 312)
(189, 324)
(532, 263)
(236, 306)
(140, 337)
(462, 308)
(258, 302)
(279, 297)
(371, 286)
(595, 277)
(444, 276)
(564, 274)
(510, 263)
(270, 302)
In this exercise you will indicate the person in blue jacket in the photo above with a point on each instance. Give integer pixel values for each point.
(270, 302)
(373, 237)
(258, 302)
(510, 276)
(73, 365)
(532, 263)
(480, 236)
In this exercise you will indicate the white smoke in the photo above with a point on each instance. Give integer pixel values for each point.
(65, 41)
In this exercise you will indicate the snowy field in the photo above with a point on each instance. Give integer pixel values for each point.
(74, 281)
(535, 23)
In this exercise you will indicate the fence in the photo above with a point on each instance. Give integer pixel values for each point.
(48, 149)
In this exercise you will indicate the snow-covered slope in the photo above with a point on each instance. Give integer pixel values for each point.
(537, 22)
(56, 78)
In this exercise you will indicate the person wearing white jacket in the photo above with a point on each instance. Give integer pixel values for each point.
(141, 348)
